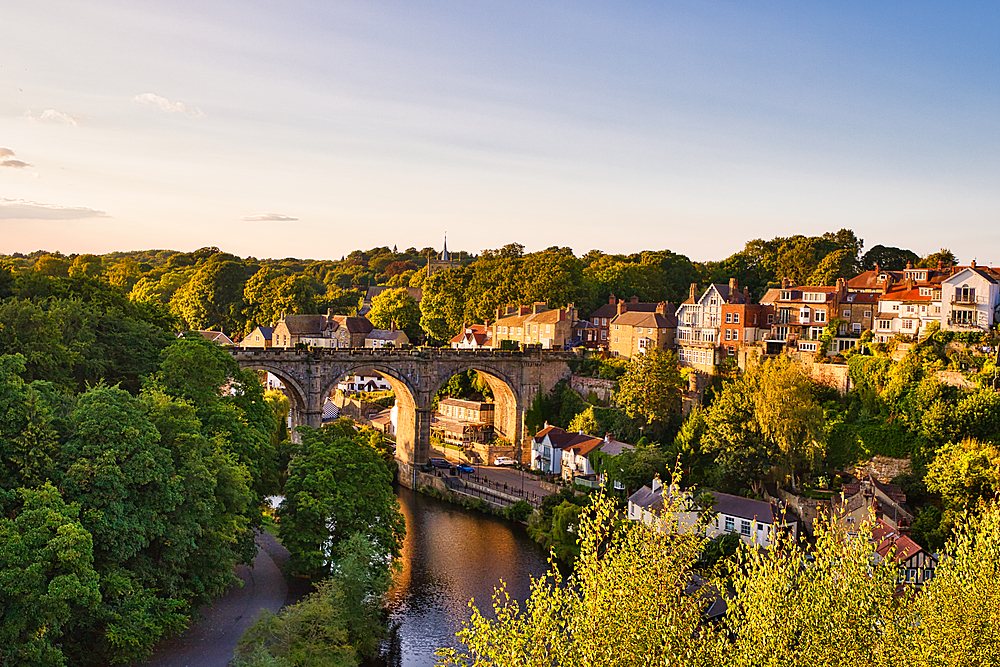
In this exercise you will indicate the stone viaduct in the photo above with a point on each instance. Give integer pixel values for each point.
(416, 376)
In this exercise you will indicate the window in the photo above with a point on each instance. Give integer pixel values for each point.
(760, 526)
(730, 351)
(856, 328)
(846, 314)
(713, 301)
(965, 294)
(895, 307)
(816, 297)
(729, 318)
(820, 316)
(604, 321)
(908, 325)
(604, 335)
(885, 325)
(786, 295)
(548, 328)
(744, 527)
(728, 335)
(736, 334)
(868, 313)
(842, 329)
(808, 347)
(730, 524)
(770, 318)
(736, 318)
(925, 291)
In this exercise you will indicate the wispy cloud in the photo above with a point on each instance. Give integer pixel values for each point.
(23, 209)
(269, 217)
(7, 159)
(54, 116)
(165, 105)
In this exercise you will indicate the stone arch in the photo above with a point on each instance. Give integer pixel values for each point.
(297, 395)
(508, 417)
(413, 434)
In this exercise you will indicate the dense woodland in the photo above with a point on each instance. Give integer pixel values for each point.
(133, 470)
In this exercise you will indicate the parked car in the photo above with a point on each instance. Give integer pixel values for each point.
(504, 461)
(439, 463)
(465, 467)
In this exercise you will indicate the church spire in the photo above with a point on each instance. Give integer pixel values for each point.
(444, 254)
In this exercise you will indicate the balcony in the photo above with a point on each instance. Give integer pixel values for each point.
(969, 300)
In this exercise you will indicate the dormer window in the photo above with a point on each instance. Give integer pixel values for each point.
(881, 277)
(813, 296)
(786, 295)
(925, 291)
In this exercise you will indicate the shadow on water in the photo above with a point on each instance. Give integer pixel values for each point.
(451, 556)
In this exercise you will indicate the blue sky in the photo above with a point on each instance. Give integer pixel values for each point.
(312, 128)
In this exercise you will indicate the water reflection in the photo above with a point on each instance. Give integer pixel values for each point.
(451, 555)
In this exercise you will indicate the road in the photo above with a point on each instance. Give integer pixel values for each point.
(500, 474)
(211, 640)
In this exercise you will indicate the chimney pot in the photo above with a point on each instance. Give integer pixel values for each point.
(693, 291)
(972, 263)
(634, 299)
(612, 300)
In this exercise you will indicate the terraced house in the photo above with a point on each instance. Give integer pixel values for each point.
(534, 325)
(699, 324)
(801, 313)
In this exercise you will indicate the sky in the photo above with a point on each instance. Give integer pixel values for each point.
(309, 129)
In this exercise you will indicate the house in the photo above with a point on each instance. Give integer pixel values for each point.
(346, 331)
(473, 337)
(601, 318)
(293, 329)
(636, 332)
(575, 460)
(907, 309)
(971, 299)
(878, 280)
(744, 323)
(534, 325)
(801, 313)
(379, 338)
(916, 565)
(353, 384)
(464, 423)
(755, 521)
(870, 497)
(857, 315)
(585, 333)
(259, 337)
(217, 337)
(699, 324)
(548, 445)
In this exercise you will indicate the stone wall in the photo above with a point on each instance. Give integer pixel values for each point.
(806, 509)
(883, 468)
(831, 375)
(603, 389)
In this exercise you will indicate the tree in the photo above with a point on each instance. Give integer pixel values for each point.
(396, 309)
(47, 577)
(965, 473)
(838, 264)
(338, 484)
(944, 257)
(888, 258)
(584, 422)
(89, 266)
(55, 266)
(651, 387)
(213, 297)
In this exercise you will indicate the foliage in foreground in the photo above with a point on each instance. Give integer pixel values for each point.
(631, 601)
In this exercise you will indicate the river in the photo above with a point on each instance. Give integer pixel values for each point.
(451, 555)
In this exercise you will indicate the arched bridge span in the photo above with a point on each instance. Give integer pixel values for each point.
(416, 376)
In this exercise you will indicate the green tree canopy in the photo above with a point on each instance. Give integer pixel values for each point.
(651, 387)
(396, 309)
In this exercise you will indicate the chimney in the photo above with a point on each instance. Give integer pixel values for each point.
(607, 437)
(734, 287)
(612, 300)
(841, 286)
(657, 484)
(940, 264)
(909, 265)
(746, 294)
(878, 269)
(693, 292)
(539, 307)
(498, 313)
(634, 299)
(972, 264)
(523, 310)
(622, 307)
(785, 283)
(661, 308)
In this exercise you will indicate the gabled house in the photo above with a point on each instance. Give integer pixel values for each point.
(601, 318)
(217, 337)
(971, 299)
(259, 337)
(637, 332)
(699, 324)
(559, 452)
(379, 338)
(857, 315)
(801, 313)
(916, 565)
(294, 329)
(868, 496)
(473, 337)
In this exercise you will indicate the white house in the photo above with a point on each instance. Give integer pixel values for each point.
(699, 321)
(352, 384)
(971, 299)
(755, 521)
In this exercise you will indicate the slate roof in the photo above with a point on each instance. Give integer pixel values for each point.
(385, 334)
(653, 320)
(743, 508)
(217, 337)
(354, 324)
(303, 324)
(614, 448)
